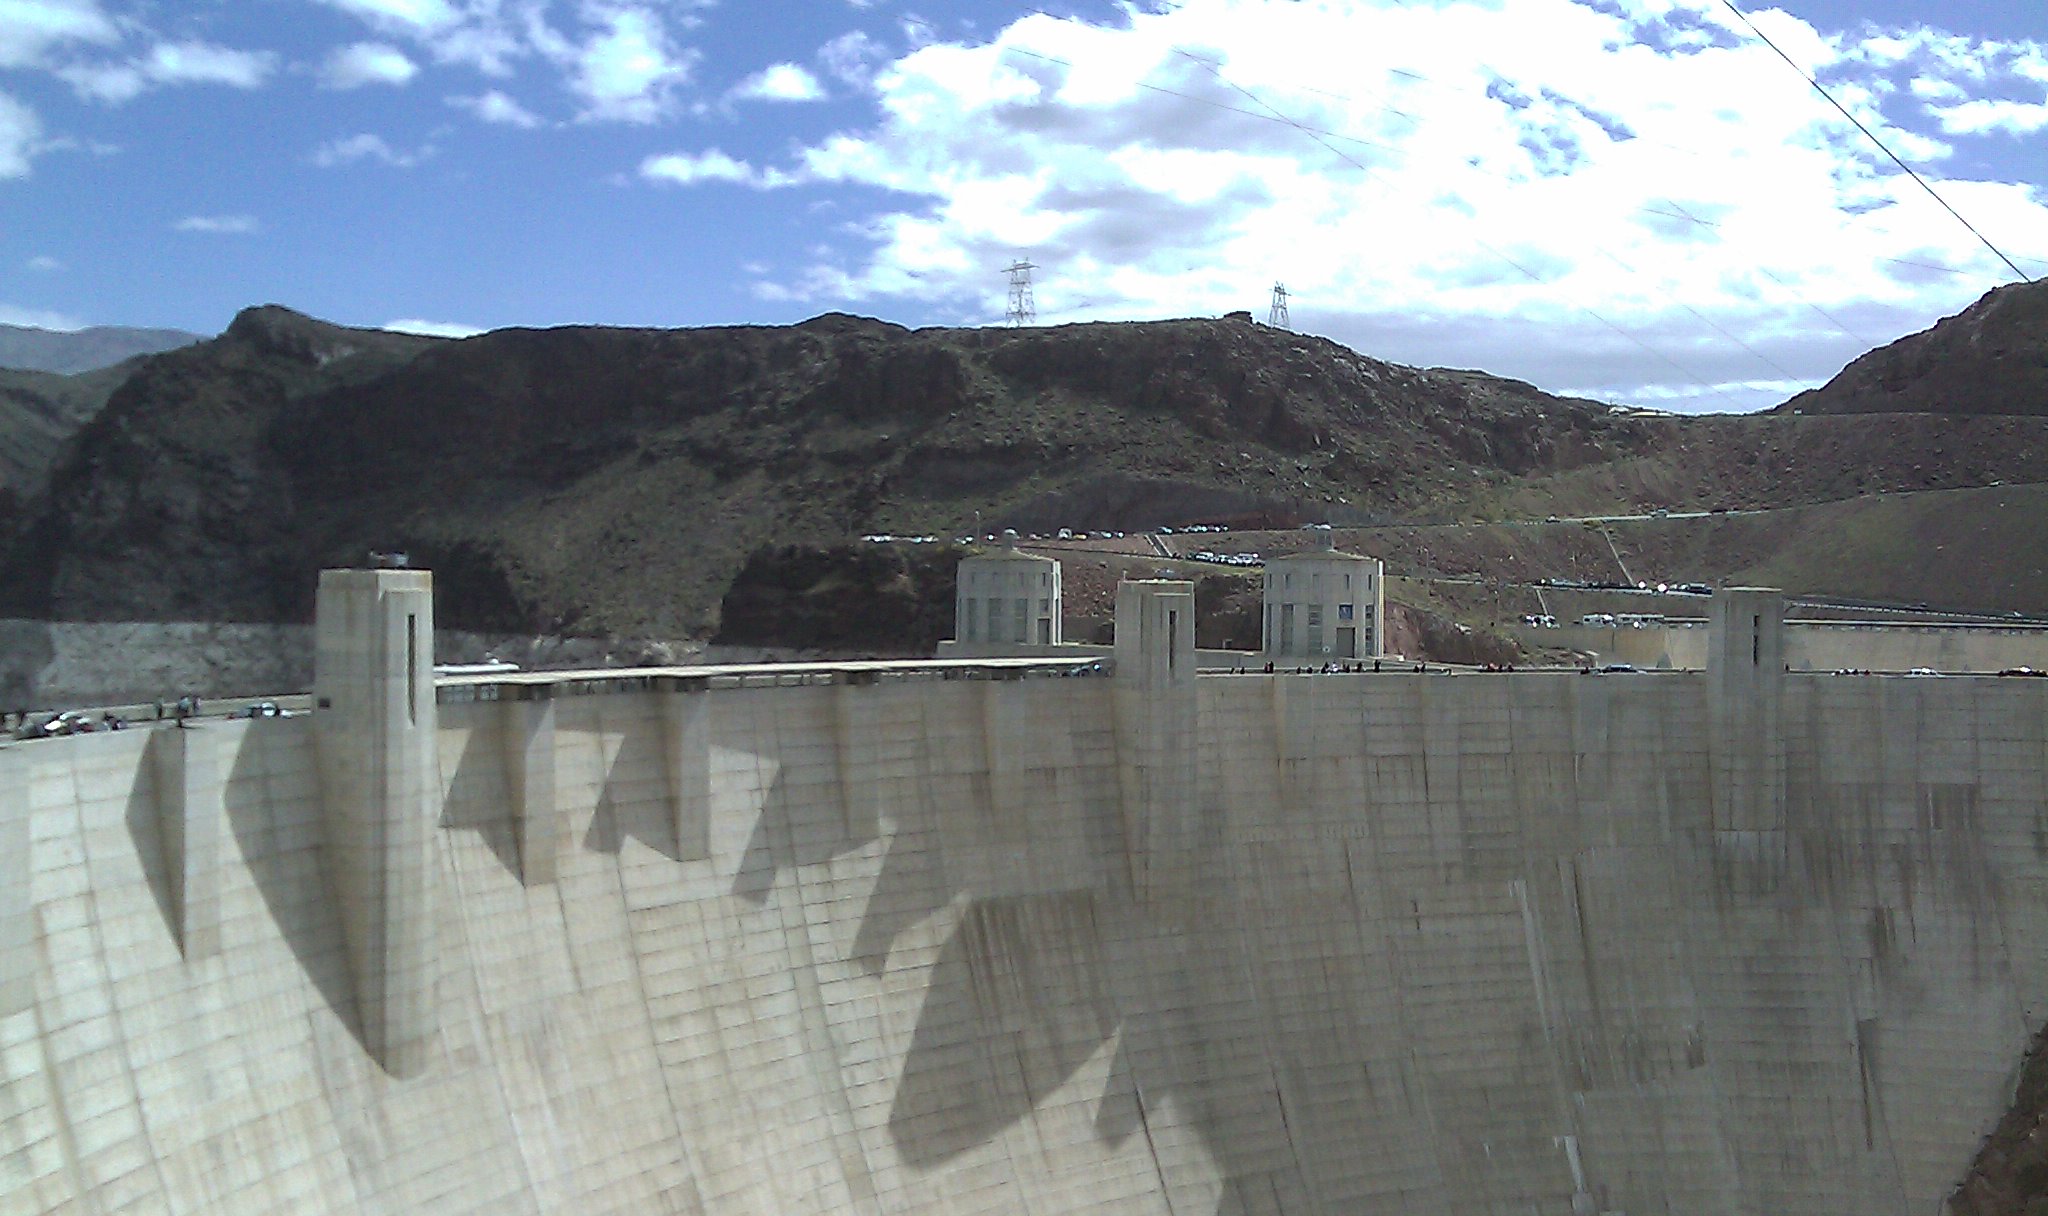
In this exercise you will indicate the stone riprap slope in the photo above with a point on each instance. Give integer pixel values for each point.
(1474, 943)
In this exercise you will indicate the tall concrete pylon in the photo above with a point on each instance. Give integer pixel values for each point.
(1745, 697)
(1155, 733)
(374, 727)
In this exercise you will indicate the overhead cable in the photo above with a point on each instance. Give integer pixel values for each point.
(1878, 143)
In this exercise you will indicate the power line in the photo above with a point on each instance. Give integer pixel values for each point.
(1328, 139)
(1324, 136)
(1216, 70)
(1872, 137)
(1414, 119)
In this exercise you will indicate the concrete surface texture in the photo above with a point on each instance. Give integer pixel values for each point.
(856, 942)
(1817, 645)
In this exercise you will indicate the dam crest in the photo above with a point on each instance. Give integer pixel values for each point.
(1024, 936)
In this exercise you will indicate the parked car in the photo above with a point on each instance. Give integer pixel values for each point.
(70, 722)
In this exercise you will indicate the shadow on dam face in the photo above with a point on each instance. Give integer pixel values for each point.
(273, 811)
(623, 811)
(1280, 1055)
(1016, 1003)
(1241, 1047)
(480, 766)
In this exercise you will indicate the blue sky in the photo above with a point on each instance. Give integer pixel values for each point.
(1632, 199)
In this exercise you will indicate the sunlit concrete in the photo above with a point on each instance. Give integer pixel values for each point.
(929, 938)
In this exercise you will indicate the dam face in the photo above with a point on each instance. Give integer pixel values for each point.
(980, 938)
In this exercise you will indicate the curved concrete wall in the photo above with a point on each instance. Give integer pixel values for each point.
(1818, 646)
(1394, 943)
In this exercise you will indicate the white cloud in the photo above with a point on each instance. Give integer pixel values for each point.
(851, 57)
(44, 264)
(1465, 183)
(364, 63)
(354, 148)
(496, 107)
(1980, 116)
(711, 165)
(620, 59)
(433, 329)
(205, 63)
(106, 81)
(20, 137)
(170, 63)
(629, 70)
(780, 82)
(222, 225)
(30, 28)
(1933, 88)
(483, 34)
(412, 16)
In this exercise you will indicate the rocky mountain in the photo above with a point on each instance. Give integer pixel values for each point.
(69, 352)
(616, 481)
(598, 480)
(39, 413)
(174, 487)
(1991, 358)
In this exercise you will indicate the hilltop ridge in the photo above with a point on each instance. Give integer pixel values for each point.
(1991, 358)
(69, 352)
(588, 478)
(611, 481)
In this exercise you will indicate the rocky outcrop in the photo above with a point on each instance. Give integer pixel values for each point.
(866, 599)
(1991, 358)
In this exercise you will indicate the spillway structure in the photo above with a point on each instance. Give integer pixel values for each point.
(1013, 936)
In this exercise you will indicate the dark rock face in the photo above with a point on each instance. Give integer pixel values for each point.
(2009, 1176)
(171, 505)
(866, 599)
(616, 481)
(40, 412)
(1991, 358)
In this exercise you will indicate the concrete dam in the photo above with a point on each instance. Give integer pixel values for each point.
(1008, 937)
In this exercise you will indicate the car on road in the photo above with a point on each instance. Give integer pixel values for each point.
(70, 722)
(264, 709)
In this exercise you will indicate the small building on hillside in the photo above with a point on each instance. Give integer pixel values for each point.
(1008, 598)
(1324, 605)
